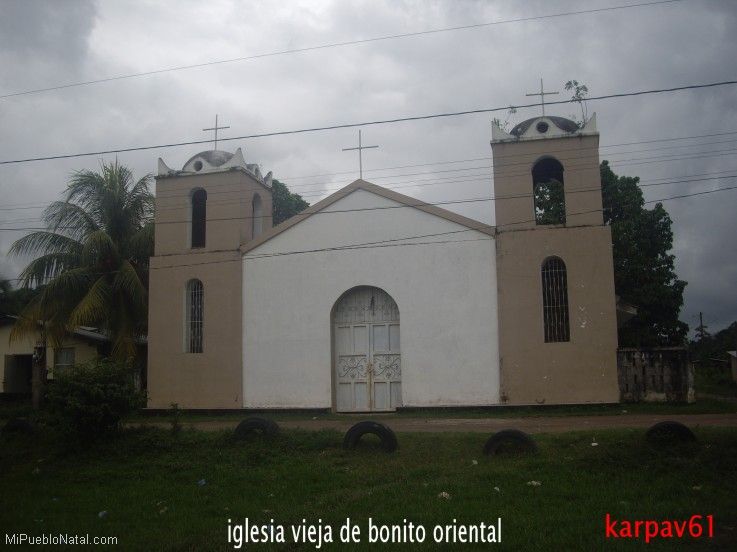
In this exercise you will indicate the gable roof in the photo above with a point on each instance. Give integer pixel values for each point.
(374, 189)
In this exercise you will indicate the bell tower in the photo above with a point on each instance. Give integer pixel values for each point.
(204, 213)
(557, 314)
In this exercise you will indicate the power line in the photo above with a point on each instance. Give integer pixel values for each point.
(389, 243)
(420, 204)
(368, 123)
(26, 206)
(488, 157)
(333, 45)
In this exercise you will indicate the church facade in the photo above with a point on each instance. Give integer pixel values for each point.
(371, 300)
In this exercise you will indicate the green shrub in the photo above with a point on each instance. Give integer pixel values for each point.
(92, 399)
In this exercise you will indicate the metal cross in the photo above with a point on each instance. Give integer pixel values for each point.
(216, 128)
(360, 149)
(542, 95)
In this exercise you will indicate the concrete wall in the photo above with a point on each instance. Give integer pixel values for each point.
(446, 294)
(658, 374)
(584, 368)
(213, 378)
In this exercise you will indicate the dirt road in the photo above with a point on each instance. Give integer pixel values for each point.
(552, 424)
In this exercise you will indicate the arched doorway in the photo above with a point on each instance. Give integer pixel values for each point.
(367, 361)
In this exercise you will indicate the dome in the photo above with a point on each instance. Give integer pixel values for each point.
(210, 159)
(566, 125)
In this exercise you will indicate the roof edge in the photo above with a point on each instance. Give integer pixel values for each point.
(375, 189)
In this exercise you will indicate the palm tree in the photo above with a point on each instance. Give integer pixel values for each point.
(93, 259)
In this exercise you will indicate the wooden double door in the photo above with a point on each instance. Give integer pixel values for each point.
(367, 356)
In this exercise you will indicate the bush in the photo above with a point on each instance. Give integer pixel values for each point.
(92, 399)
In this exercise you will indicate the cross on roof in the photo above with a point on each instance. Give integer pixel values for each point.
(360, 149)
(216, 128)
(542, 95)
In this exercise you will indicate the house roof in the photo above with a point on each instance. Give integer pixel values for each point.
(374, 189)
(85, 332)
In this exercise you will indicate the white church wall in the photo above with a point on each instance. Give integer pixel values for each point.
(445, 291)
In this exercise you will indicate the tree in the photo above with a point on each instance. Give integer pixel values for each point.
(644, 273)
(580, 91)
(5, 296)
(285, 204)
(12, 300)
(93, 259)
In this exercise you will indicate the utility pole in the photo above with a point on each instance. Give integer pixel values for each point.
(38, 370)
(701, 332)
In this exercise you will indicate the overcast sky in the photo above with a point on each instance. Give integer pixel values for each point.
(48, 43)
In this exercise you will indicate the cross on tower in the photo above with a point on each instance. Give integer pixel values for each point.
(215, 128)
(542, 95)
(360, 149)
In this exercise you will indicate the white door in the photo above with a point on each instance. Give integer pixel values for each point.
(368, 371)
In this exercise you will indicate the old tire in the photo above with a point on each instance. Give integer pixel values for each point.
(384, 433)
(669, 432)
(508, 440)
(18, 425)
(262, 426)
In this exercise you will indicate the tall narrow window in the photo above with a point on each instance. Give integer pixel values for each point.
(555, 300)
(258, 216)
(199, 217)
(547, 187)
(193, 324)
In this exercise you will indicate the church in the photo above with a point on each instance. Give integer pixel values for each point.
(371, 300)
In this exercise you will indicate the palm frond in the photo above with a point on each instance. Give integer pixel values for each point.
(93, 308)
(46, 267)
(101, 250)
(27, 323)
(44, 242)
(71, 218)
(140, 246)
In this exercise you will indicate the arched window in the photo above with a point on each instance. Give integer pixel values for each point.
(257, 222)
(547, 187)
(193, 323)
(199, 217)
(555, 300)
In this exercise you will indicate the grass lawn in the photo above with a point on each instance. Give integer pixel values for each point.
(147, 482)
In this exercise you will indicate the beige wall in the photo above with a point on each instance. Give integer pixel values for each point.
(229, 199)
(513, 163)
(583, 369)
(213, 378)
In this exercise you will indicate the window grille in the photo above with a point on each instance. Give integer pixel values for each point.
(199, 218)
(555, 300)
(194, 323)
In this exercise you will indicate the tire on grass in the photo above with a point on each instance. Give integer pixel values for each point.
(510, 440)
(384, 433)
(669, 432)
(261, 426)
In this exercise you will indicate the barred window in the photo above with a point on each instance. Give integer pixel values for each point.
(555, 300)
(199, 217)
(549, 196)
(257, 222)
(193, 327)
